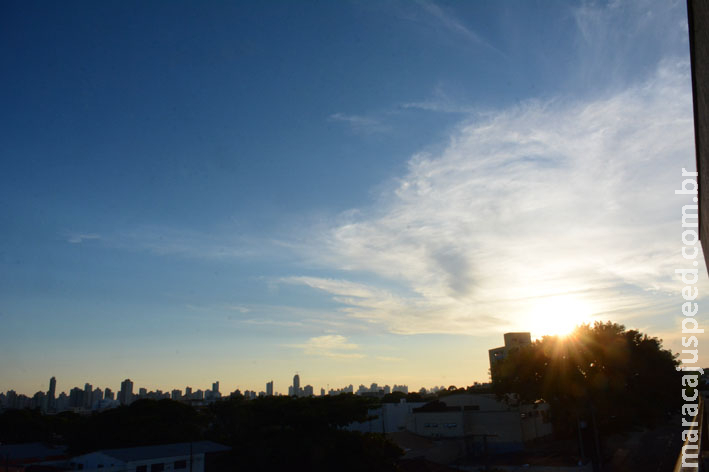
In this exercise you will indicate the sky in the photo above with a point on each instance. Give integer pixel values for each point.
(355, 191)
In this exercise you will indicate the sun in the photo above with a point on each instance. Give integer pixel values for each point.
(558, 315)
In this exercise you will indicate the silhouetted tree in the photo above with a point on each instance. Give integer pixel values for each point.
(285, 433)
(623, 376)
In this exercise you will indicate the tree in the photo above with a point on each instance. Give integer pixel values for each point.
(622, 376)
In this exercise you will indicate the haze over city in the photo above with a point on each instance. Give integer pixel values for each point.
(358, 192)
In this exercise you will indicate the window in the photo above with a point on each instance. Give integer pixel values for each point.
(157, 467)
(180, 465)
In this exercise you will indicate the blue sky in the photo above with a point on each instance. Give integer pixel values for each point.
(356, 191)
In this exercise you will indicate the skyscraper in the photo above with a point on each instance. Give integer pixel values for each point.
(215, 388)
(51, 398)
(269, 388)
(88, 390)
(125, 396)
(296, 385)
(96, 396)
(76, 398)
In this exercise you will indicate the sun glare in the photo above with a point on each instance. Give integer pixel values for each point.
(558, 315)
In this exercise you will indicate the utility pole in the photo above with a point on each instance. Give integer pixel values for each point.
(595, 437)
(581, 451)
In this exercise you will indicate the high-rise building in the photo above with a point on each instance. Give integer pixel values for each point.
(51, 394)
(76, 398)
(176, 394)
(125, 396)
(188, 393)
(96, 396)
(108, 394)
(142, 392)
(513, 341)
(296, 385)
(215, 388)
(308, 391)
(88, 390)
(62, 403)
(269, 388)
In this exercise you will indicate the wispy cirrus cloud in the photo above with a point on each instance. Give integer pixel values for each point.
(331, 345)
(540, 200)
(361, 123)
(182, 242)
(452, 24)
(440, 102)
(77, 238)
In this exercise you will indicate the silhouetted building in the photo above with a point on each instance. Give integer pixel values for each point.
(76, 398)
(296, 386)
(108, 394)
(512, 341)
(125, 396)
(183, 457)
(88, 389)
(39, 400)
(62, 402)
(96, 396)
(26, 456)
(51, 394)
(269, 388)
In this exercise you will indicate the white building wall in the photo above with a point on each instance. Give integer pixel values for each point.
(99, 462)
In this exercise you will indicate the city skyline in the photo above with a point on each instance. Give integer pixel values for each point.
(193, 388)
(359, 192)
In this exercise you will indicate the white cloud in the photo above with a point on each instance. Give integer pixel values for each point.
(78, 238)
(172, 241)
(542, 199)
(454, 25)
(359, 123)
(331, 345)
(441, 102)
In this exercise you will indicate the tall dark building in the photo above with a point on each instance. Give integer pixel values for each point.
(125, 396)
(88, 390)
(296, 385)
(269, 388)
(51, 394)
(76, 398)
